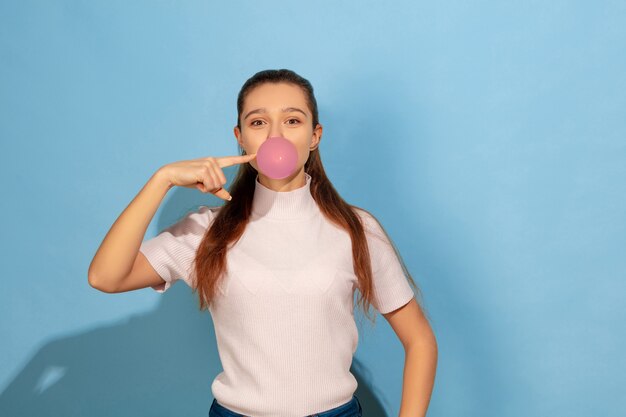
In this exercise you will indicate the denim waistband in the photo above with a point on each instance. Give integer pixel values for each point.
(350, 409)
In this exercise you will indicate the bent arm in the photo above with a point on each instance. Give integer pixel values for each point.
(116, 257)
(420, 361)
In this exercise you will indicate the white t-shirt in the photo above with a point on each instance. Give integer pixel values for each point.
(284, 314)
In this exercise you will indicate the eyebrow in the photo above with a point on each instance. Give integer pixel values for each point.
(263, 110)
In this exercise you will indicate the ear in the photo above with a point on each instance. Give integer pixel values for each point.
(238, 135)
(317, 137)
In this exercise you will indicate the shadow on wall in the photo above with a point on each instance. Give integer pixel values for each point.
(160, 363)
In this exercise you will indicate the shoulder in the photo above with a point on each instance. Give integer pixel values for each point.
(197, 219)
(370, 223)
(206, 214)
(363, 214)
(208, 211)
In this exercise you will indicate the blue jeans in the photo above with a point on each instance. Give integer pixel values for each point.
(350, 409)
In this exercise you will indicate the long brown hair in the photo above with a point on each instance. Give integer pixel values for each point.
(232, 218)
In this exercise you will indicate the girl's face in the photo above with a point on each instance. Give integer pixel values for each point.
(281, 109)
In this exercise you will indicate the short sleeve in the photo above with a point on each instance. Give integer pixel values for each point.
(391, 287)
(172, 252)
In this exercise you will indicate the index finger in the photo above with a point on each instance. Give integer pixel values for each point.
(226, 161)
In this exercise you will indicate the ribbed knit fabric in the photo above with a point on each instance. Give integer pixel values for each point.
(284, 315)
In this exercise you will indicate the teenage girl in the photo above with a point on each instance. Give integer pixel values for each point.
(277, 265)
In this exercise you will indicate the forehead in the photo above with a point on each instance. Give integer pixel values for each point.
(275, 96)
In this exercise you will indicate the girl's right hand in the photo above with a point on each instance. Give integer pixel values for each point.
(205, 174)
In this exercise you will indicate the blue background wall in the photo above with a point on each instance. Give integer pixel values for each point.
(488, 138)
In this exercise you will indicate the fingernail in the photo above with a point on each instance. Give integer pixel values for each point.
(230, 197)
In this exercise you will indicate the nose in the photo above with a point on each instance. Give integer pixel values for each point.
(275, 130)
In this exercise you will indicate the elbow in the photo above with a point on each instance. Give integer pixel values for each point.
(431, 341)
(96, 284)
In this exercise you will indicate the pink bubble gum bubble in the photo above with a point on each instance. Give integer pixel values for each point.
(277, 157)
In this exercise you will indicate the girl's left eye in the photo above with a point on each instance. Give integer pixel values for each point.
(296, 120)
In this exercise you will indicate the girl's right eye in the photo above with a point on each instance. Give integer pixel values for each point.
(254, 121)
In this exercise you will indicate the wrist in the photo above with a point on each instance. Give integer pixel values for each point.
(160, 177)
